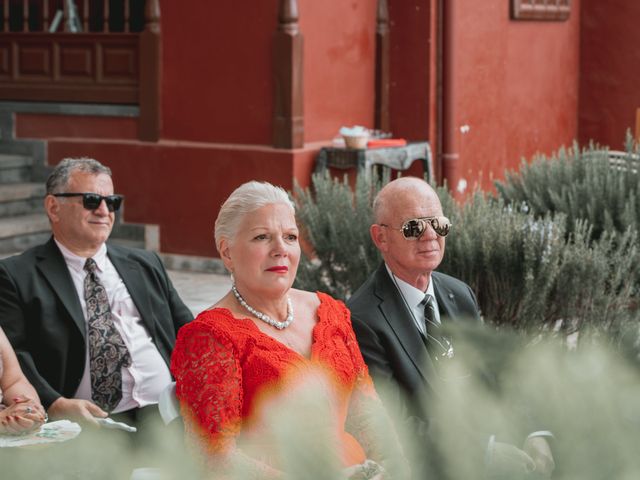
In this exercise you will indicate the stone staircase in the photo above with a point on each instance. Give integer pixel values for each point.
(23, 172)
(23, 223)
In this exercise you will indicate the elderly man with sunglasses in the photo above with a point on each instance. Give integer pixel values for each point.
(398, 314)
(93, 325)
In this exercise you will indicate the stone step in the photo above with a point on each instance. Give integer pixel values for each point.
(21, 243)
(127, 242)
(15, 160)
(20, 191)
(23, 224)
(23, 231)
(21, 199)
(128, 231)
(15, 168)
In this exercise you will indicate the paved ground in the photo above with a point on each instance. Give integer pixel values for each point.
(200, 290)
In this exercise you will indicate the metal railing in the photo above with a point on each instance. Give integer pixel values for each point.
(72, 16)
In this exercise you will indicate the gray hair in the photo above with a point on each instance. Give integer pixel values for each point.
(59, 177)
(245, 199)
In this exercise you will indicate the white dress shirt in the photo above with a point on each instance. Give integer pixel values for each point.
(413, 298)
(148, 374)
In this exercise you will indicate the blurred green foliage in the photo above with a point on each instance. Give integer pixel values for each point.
(587, 398)
(591, 184)
(335, 222)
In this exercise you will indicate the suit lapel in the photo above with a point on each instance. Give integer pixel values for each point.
(134, 280)
(400, 321)
(53, 267)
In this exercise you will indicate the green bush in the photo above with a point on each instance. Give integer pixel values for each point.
(509, 259)
(580, 184)
(335, 222)
(530, 274)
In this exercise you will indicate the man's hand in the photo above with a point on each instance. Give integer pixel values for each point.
(506, 461)
(539, 450)
(75, 409)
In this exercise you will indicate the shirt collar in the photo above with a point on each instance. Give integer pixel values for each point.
(412, 295)
(77, 263)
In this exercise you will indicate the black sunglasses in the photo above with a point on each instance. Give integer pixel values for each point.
(414, 228)
(92, 201)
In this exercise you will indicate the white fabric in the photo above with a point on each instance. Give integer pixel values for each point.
(168, 404)
(51, 432)
(413, 297)
(148, 374)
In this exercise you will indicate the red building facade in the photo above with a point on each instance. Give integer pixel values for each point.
(254, 91)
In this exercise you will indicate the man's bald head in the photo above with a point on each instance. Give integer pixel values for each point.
(394, 194)
(401, 200)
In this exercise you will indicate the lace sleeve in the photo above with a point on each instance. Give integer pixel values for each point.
(367, 419)
(209, 387)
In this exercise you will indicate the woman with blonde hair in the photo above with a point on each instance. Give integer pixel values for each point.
(237, 361)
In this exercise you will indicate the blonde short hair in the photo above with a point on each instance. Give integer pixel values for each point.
(247, 198)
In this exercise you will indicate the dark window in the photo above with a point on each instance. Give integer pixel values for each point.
(40, 18)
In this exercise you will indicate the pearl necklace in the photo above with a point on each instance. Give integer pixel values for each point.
(263, 316)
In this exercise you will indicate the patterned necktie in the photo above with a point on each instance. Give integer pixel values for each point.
(438, 345)
(107, 351)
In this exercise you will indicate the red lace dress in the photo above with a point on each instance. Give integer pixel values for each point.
(227, 371)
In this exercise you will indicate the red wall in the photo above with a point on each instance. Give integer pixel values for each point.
(610, 65)
(217, 83)
(339, 65)
(217, 68)
(515, 86)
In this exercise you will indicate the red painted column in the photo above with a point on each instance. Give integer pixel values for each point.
(450, 146)
(288, 119)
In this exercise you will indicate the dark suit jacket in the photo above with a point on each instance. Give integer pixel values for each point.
(404, 373)
(391, 344)
(41, 314)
